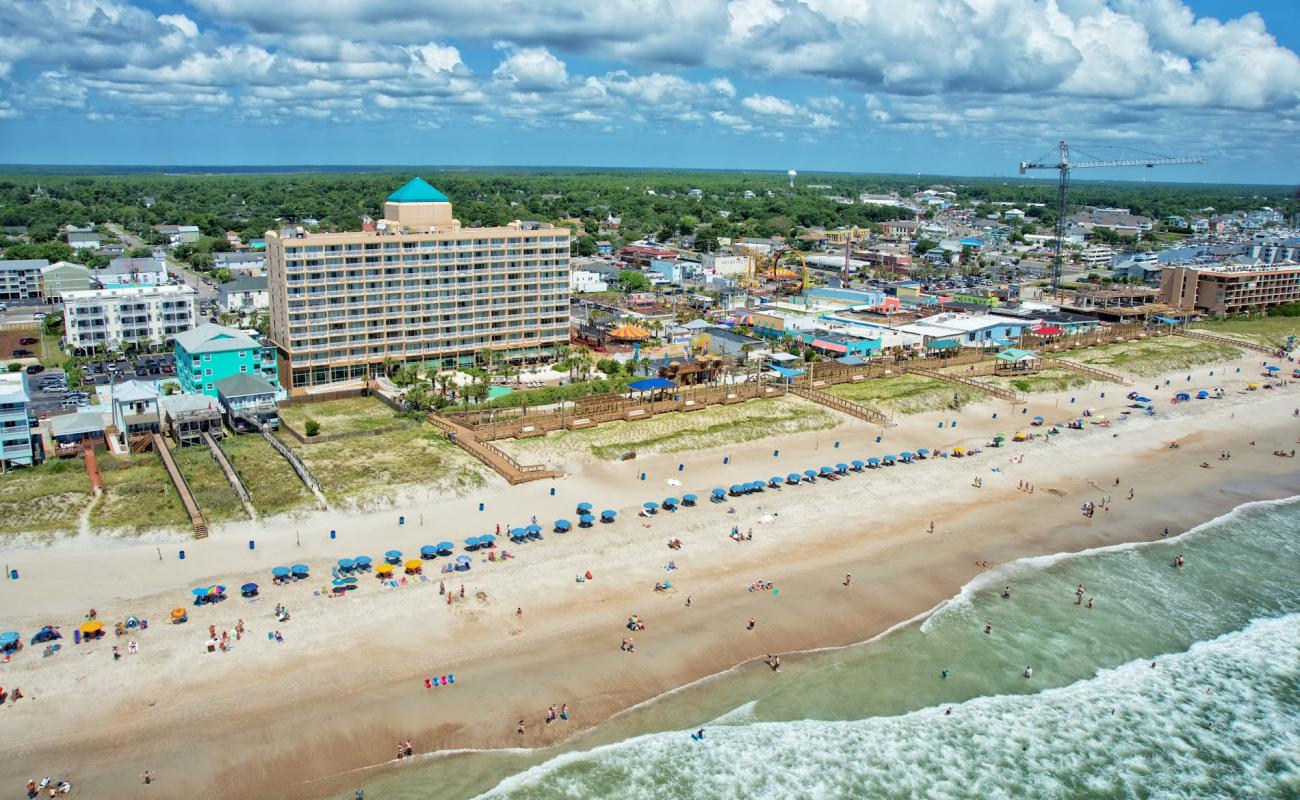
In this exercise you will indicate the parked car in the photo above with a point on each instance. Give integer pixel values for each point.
(23, 353)
(28, 340)
(35, 369)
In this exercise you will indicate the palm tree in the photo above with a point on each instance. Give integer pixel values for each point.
(444, 381)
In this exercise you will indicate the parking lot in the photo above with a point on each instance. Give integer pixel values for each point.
(148, 367)
(51, 396)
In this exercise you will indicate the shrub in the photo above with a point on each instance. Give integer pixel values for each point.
(15, 367)
(311, 427)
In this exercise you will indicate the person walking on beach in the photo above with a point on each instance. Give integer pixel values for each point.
(361, 794)
(520, 729)
(1089, 602)
(752, 623)
(462, 590)
(848, 578)
(148, 777)
(688, 601)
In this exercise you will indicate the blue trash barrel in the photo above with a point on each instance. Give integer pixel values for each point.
(250, 544)
(182, 555)
(334, 534)
(13, 574)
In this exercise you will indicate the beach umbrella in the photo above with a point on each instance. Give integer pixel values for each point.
(736, 489)
(793, 477)
(775, 480)
(393, 556)
(608, 515)
(651, 507)
(279, 572)
(428, 551)
(472, 542)
(858, 465)
(533, 529)
(1272, 368)
(384, 569)
(201, 591)
(841, 467)
(689, 499)
(463, 560)
(518, 533)
(362, 562)
(585, 520)
(757, 486)
(811, 473)
(584, 507)
(346, 564)
(905, 455)
(444, 547)
(91, 628)
(670, 501)
(414, 565)
(248, 590)
(46, 634)
(922, 452)
(299, 569)
(873, 461)
(486, 540)
(178, 613)
(215, 590)
(9, 640)
(827, 471)
(888, 459)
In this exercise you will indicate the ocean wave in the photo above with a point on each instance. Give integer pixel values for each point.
(1220, 719)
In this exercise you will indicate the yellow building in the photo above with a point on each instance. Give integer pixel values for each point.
(418, 288)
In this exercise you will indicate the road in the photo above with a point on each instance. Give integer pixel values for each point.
(176, 269)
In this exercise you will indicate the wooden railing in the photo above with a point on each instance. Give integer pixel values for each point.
(987, 388)
(1211, 337)
(842, 405)
(197, 522)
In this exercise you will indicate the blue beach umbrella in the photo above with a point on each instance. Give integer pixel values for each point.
(889, 459)
(689, 499)
(362, 562)
(472, 543)
(486, 540)
(279, 572)
(562, 525)
(827, 470)
(445, 547)
(873, 461)
(608, 515)
(533, 529)
(584, 507)
(9, 638)
(393, 556)
(518, 533)
(719, 493)
(248, 590)
(922, 452)
(463, 560)
(775, 480)
(793, 477)
(652, 507)
(428, 551)
(841, 467)
(857, 465)
(585, 520)
(810, 473)
(346, 564)
(669, 502)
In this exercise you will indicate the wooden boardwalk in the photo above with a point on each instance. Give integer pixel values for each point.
(1210, 337)
(182, 488)
(232, 477)
(491, 455)
(987, 388)
(1085, 370)
(840, 404)
(92, 466)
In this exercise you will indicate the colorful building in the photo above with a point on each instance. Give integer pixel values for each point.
(211, 352)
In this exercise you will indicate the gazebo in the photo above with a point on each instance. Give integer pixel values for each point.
(654, 387)
(1013, 359)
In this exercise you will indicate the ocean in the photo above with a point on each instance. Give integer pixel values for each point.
(1179, 682)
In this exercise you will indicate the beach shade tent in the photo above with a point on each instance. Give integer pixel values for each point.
(651, 384)
(757, 486)
(563, 526)
(671, 502)
(92, 630)
(463, 563)
(486, 541)
(1202, 395)
(585, 520)
(737, 490)
(347, 565)
(858, 465)
(445, 548)
(393, 557)
(775, 480)
(248, 590)
(652, 507)
(842, 468)
(362, 563)
(584, 508)
(922, 452)
(414, 566)
(1182, 396)
(718, 494)
(299, 571)
(471, 543)
(810, 474)
(630, 333)
(827, 471)
(383, 570)
(888, 459)
(608, 515)
(533, 531)
(11, 642)
(200, 595)
(873, 462)
(179, 616)
(46, 634)
(689, 499)
(518, 534)
(428, 551)
(793, 478)
(905, 456)
(1272, 368)
(279, 574)
(1047, 330)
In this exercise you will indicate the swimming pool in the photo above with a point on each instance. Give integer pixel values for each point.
(498, 391)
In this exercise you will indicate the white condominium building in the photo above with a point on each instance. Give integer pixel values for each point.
(414, 287)
(109, 318)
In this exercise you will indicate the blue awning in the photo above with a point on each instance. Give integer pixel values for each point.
(1169, 320)
(943, 344)
(651, 383)
(786, 372)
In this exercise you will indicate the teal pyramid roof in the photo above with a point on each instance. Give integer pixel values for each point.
(417, 190)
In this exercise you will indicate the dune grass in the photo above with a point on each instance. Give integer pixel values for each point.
(1155, 356)
(906, 394)
(272, 484)
(1271, 331)
(138, 495)
(369, 471)
(714, 426)
(216, 499)
(351, 415)
(1049, 380)
(47, 498)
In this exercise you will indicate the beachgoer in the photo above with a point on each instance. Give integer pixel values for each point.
(148, 777)
(700, 734)
(1166, 533)
(1089, 602)
(519, 612)
(752, 623)
(688, 601)
(1029, 672)
(361, 794)
(1006, 593)
(988, 627)
(117, 654)
(948, 712)
(462, 590)
(944, 674)
(848, 578)
(520, 729)
(564, 711)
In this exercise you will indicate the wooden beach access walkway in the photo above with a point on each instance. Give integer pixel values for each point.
(1085, 370)
(840, 404)
(197, 522)
(1212, 337)
(232, 477)
(491, 455)
(987, 388)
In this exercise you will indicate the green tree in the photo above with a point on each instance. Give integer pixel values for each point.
(311, 427)
(585, 246)
(631, 280)
(51, 251)
(609, 366)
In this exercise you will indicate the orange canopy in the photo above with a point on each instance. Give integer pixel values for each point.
(630, 333)
(383, 569)
(94, 626)
(177, 613)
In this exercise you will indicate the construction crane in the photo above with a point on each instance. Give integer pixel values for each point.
(1065, 166)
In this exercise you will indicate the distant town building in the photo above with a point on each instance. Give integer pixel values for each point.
(122, 272)
(211, 352)
(179, 234)
(246, 263)
(15, 425)
(63, 276)
(419, 288)
(1220, 289)
(142, 315)
(21, 279)
(243, 295)
(84, 241)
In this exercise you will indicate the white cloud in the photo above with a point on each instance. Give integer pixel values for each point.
(532, 69)
(184, 23)
(769, 105)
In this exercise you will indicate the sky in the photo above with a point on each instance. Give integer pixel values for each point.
(957, 87)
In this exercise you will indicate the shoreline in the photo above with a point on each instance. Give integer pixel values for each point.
(343, 687)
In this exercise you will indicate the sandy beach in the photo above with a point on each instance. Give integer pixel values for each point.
(318, 712)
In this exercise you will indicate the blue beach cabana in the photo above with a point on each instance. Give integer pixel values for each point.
(792, 478)
(393, 557)
(689, 499)
(248, 590)
(518, 535)
(775, 480)
(585, 520)
(362, 563)
(873, 462)
(428, 551)
(299, 571)
(563, 526)
(810, 474)
(888, 460)
(279, 574)
(858, 465)
(608, 515)
(584, 508)
(463, 563)
(671, 503)
(471, 543)
(445, 548)
(347, 565)
(718, 495)
(905, 457)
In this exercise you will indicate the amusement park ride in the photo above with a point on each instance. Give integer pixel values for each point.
(765, 268)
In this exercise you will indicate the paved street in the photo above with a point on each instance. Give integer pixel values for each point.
(175, 268)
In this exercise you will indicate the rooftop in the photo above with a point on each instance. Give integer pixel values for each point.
(24, 263)
(244, 283)
(417, 190)
(242, 385)
(213, 338)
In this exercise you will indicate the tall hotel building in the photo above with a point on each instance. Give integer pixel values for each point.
(418, 288)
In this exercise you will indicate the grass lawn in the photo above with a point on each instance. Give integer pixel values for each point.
(1271, 331)
(353, 415)
(271, 482)
(1155, 356)
(365, 471)
(906, 394)
(715, 426)
(48, 498)
(138, 495)
(1049, 380)
(216, 499)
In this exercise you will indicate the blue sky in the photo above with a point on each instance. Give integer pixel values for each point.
(939, 86)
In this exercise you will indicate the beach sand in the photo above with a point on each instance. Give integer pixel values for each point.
(295, 719)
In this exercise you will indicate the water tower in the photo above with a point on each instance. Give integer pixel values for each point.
(791, 173)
